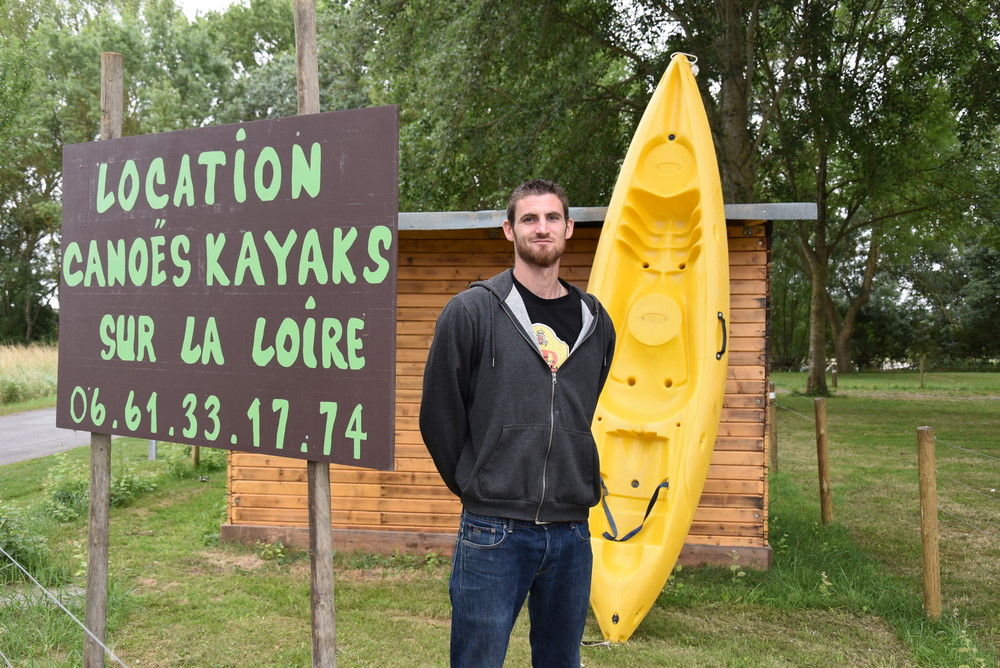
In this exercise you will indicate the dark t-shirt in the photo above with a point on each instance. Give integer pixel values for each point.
(556, 323)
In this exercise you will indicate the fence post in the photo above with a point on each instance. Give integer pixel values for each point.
(772, 428)
(931, 561)
(825, 498)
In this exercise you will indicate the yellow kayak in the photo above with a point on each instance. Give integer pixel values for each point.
(662, 272)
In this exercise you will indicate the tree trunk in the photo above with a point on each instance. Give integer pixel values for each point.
(816, 383)
(735, 49)
(843, 328)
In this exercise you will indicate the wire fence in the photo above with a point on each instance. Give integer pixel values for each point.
(62, 607)
(794, 412)
(990, 491)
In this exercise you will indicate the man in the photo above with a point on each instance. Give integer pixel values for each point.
(510, 388)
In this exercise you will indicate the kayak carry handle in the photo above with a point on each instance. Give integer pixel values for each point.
(725, 336)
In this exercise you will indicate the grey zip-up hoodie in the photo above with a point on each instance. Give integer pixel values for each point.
(509, 436)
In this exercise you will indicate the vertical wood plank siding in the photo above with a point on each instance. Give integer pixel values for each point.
(267, 491)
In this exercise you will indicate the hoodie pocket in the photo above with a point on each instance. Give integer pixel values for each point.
(571, 473)
(513, 467)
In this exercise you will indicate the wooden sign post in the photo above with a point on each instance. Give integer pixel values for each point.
(100, 443)
(324, 616)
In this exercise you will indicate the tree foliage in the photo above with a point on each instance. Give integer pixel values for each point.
(885, 114)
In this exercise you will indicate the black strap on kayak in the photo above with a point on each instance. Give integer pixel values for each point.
(611, 521)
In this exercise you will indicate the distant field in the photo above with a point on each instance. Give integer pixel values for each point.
(27, 373)
(942, 383)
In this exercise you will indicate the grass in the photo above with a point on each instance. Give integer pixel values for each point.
(27, 373)
(845, 594)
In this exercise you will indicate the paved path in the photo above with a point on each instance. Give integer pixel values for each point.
(34, 434)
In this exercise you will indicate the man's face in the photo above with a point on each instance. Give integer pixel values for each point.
(539, 230)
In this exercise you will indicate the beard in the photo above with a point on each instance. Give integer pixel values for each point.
(543, 256)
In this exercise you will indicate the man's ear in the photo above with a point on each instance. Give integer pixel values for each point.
(508, 230)
(569, 227)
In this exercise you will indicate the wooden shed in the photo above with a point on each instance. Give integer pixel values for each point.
(410, 509)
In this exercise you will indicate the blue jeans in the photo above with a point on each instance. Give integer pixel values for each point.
(497, 564)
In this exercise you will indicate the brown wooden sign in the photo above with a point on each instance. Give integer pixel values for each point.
(235, 286)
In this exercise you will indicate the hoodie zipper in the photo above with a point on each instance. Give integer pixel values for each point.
(548, 450)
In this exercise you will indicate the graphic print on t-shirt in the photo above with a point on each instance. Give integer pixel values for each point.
(554, 350)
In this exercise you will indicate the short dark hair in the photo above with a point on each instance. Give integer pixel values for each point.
(536, 187)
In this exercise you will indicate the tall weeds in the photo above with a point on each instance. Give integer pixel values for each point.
(27, 372)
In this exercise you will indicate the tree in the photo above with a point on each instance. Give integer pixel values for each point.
(868, 127)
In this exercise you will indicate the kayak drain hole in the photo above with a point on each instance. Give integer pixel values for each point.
(682, 266)
(631, 382)
(668, 383)
(614, 618)
(635, 483)
(645, 265)
(671, 137)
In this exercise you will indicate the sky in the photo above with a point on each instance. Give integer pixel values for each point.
(193, 7)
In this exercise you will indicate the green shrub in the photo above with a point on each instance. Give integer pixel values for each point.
(178, 461)
(68, 488)
(30, 550)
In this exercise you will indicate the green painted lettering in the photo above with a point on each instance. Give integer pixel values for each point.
(138, 262)
(249, 260)
(239, 165)
(306, 174)
(214, 243)
(379, 237)
(309, 337)
(280, 251)
(116, 262)
(341, 265)
(184, 188)
(72, 277)
(267, 156)
(180, 246)
(287, 342)
(104, 198)
(330, 354)
(261, 356)
(211, 160)
(106, 330)
(157, 276)
(354, 343)
(156, 176)
(94, 273)
(130, 179)
(311, 259)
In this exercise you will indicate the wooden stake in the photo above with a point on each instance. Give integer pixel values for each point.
(305, 56)
(112, 95)
(97, 548)
(931, 560)
(772, 428)
(825, 498)
(100, 444)
(195, 456)
(324, 629)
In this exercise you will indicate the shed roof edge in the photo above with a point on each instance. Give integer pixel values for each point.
(463, 220)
